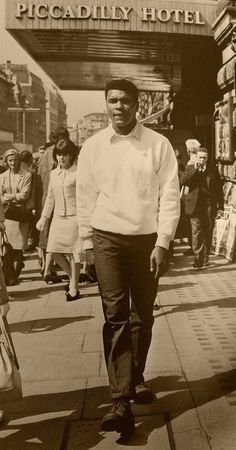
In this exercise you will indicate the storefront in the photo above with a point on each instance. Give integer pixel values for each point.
(225, 124)
(162, 46)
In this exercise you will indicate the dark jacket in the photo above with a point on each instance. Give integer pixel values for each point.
(191, 178)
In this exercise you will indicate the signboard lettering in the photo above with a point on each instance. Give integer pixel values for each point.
(113, 13)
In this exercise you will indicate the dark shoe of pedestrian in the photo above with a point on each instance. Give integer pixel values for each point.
(12, 282)
(156, 307)
(143, 394)
(71, 298)
(120, 418)
(188, 252)
(18, 268)
(197, 265)
(65, 277)
(51, 279)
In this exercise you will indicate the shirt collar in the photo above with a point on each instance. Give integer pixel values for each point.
(135, 132)
(71, 169)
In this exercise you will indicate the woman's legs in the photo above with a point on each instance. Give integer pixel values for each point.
(75, 273)
(71, 268)
(48, 263)
(63, 262)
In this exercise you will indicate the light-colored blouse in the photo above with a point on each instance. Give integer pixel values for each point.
(61, 194)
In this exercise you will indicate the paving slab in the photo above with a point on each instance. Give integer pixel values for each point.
(150, 432)
(191, 365)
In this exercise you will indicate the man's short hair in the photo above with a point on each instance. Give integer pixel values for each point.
(192, 144)
(202, 149)
(26, 157)
(122, 85)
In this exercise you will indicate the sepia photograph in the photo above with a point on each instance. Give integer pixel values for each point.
(117, 224)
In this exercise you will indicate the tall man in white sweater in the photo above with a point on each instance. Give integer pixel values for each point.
(128, 210)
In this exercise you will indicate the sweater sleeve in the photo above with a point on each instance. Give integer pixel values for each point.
(86, 196)
(169, 201)
(49, 202)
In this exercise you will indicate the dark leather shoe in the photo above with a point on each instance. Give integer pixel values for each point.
(12, 282)
(143, 394)
(70, 298)
(197, 265)
(120, 418)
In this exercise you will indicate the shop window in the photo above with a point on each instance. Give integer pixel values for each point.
(224, 131)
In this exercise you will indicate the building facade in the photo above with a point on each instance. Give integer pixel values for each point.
(6, 100)
(95, 122)
(55, 109)
(29, 121)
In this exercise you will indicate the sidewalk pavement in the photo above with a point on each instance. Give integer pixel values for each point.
(191, 365)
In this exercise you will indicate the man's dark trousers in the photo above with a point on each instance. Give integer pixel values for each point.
(128, 290)
(202, 227)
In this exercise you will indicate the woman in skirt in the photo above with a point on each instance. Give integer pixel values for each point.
(61, 199)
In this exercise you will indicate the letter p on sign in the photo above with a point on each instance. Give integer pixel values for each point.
(20, 9)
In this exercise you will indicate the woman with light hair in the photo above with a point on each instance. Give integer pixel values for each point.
(15, 189)
(192, 146)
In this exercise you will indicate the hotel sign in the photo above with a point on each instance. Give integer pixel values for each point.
(83, 12)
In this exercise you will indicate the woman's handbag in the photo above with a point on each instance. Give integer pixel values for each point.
(18, 213)
(10, 379)
(7, 257)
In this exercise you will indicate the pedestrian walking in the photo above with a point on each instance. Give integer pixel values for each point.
(46, 165)
(192, 146)
(34, 203)
(15, 188)
(204, 199)
(61, 201)
(128, 210)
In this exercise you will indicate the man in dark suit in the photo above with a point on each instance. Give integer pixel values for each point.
(204, 199)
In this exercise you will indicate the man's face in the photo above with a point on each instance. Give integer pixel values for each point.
(121, 108)
(202, 157)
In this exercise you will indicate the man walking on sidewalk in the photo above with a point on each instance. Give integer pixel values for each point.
(128, 210)
(204, 199)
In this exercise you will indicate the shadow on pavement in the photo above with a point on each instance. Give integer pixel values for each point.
(213, 268)
(35, 294)
(228, 302)
(48, 434)
(41, 325)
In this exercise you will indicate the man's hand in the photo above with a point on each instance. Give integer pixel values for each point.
(4, 309)
(2, 227)
(89, 257)
(41, 224)
(8, 197)
(159, 261)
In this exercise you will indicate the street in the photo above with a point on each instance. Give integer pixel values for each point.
(191, 365)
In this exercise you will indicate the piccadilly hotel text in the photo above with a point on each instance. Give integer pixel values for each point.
(113, 13)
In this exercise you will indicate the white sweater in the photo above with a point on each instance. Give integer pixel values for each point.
(128, 185)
